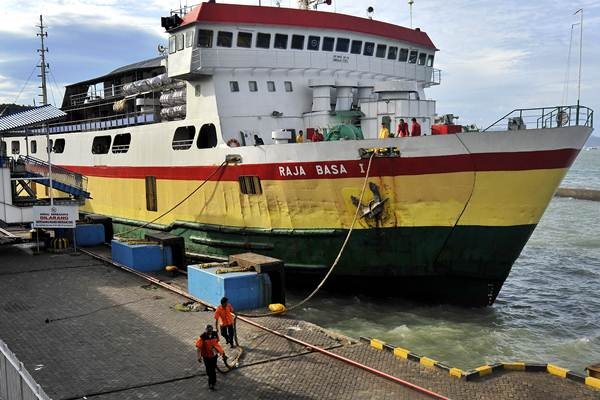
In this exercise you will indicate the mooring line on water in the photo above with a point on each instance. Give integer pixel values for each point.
(249, 321)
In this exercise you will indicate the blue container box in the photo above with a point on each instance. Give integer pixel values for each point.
(142, 257)
(89, 234)
(245, 290)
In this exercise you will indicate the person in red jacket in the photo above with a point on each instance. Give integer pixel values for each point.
(208, 349)
(317, 136)
(402, 129)
(416, 128)
(223, 313)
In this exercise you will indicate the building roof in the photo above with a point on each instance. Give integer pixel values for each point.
(244, 14)
(32, 117)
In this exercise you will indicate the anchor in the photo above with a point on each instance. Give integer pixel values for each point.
(373, 210)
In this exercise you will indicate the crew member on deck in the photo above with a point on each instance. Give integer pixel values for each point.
(208, 349)
(402, 129)
(415, 129)
(300, 137)
(384, 132)
(317, 136)
(223, 313)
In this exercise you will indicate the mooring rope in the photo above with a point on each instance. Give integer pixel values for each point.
(335, 262)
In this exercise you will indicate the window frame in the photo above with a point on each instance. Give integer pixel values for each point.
(289, 87)
(294, 45)
(422, 59)
(353, 49)
(369, 49)
(261, 36)
(189, 38)
(94, 144)
(403, 52)
(281, 41)
(341, 44)
(33, 147)
(381, 50)
(234, 86)
(313, 43)
(185, 143)
(411, 54)
(224, 39)
(392, 49)
(56, 147)
(209, 38)
(246, 35)
(430, 60)
(271, 86)
(253, 88)
(328, 43)
(172, 44)
(121, 148)
(180, 41)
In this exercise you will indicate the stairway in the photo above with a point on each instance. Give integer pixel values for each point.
(63, 180)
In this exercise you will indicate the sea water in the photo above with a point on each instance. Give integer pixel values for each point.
(548, 309)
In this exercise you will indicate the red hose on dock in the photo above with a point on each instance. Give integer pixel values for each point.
(290, 338)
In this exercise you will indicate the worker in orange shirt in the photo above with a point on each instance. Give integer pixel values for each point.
(208, 349)
(224, 316)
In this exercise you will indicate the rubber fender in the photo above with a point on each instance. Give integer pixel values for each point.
(170, 268)
(277, 308)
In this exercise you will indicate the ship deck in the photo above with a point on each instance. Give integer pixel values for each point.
(84, 328)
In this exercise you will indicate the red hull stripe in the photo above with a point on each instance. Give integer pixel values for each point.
(397, 166)
(243, 14)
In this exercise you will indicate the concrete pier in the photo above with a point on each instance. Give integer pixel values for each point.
(84, 328)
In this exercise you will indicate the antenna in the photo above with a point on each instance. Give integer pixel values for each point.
(43, 64)
(580, 51)
(565, 98)
(410, 4)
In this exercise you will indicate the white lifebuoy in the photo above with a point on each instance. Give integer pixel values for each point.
(233, 143)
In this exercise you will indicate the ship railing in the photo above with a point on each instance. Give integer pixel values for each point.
(101, 123)
(41, 168)
(97, 95)
(544, 117)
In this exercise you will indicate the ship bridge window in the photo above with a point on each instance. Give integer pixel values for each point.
(189, 39)
(180, 42)
(413, 57)
(234, 86)
(244, 39)
(288, 86)
(298, 42)
(342, 45)
(224, 39)
(369, 47)
(356, 47)
(101, 145)
(33, 146)
(271, 86)
(392, 53)
(430, 60)
(403, 55)
(252, 86)
(59, 146)
(207, 137)
(328, 43)
(380, 50)
(121, 143)
(15, 147)
(280, 41)
(183, 138)
(205, 38)
(422, 58)
(263, 40)
(250, 184)
(172, 47)
(313, 43)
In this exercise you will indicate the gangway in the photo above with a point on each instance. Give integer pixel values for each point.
(63, 180)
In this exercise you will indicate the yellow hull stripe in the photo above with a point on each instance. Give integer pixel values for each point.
(504, 198)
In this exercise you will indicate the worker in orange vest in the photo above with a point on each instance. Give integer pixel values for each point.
(208, 349)
(224, 314)
(416, 128)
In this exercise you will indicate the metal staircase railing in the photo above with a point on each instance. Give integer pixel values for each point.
(63, 179)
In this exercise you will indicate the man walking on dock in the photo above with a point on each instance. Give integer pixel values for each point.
(224, 314)
(208, 350)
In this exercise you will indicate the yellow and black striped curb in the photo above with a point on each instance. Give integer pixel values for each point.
(484, 369)
(59, 244)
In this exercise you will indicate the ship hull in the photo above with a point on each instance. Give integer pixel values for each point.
(454, 210)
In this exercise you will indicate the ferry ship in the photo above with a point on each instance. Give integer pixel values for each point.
(208, 134)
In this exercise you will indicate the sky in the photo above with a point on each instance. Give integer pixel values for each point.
(495, 56)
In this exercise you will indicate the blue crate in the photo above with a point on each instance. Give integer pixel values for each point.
(142, 257)
(245, 290)
(89, 234)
